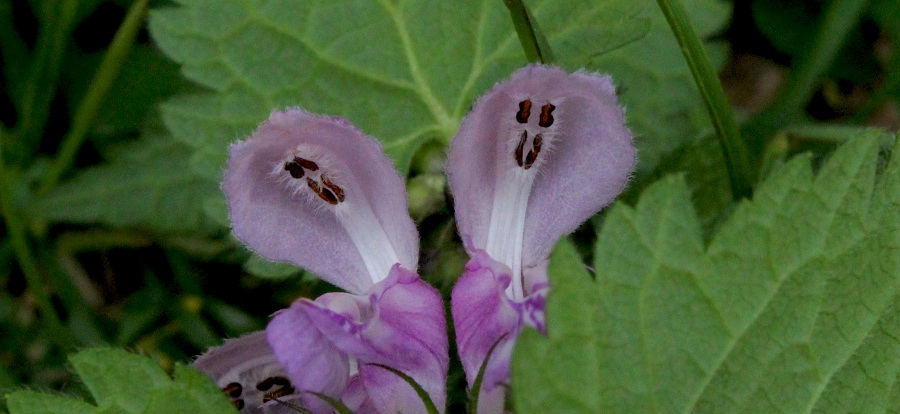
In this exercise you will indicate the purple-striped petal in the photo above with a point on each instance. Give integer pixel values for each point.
(484, 315)
(317, 192)
(537, 156)
(400, 323)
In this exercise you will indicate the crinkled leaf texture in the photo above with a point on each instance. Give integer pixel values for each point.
(121, 382)
(791, 308)
(405, 72)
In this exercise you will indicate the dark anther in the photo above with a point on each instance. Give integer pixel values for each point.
(233, 390)
(524, 111)
(533, 153)
(546, 118)
(281, 392)
(324, 194)
(294, 168)
(239, 404)
(283, 385)
(281, 381)
(337, 191)
(266, 384)
(305, 163)
(520, 148)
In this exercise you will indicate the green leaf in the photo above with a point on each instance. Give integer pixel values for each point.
(148, 184)
(569, 346)
(121, 382)
(406, 73)
(33, 402)
(791, 307)
(664, 107)
(112, 376)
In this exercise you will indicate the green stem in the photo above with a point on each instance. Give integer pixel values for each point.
(533, 41)
(103, 79)
(41, 86)
(838, 19)
(734, 148)
(17, 233)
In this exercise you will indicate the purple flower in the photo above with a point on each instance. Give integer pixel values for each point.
(317, 192)
(538, 155)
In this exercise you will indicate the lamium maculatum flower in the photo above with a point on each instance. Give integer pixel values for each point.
(538, 155)
(316, 192)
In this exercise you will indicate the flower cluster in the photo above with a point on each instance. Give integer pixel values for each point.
(537, 156)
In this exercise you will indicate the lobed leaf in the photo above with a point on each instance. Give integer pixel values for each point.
(121, 382)
(792, 306)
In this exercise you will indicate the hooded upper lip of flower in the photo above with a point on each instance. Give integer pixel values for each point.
(317, 192)
(537, 156)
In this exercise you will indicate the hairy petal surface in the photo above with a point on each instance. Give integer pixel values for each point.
(400, 323)
(537, 156)
(317, 192)
(483, 316)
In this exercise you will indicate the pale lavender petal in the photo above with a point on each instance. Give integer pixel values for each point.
(317, 192)
(537, 156)
(399, 324)
(484, 315)
(240, 365)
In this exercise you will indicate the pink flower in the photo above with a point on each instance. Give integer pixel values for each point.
(317, 192)
(538, 155)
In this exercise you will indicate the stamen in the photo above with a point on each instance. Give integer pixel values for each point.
(294, 168)
(546, 118)
(520, 148)
(524, 111)
(535, 150)
(308, 164)
(324, 179)
(512, 191)
(268, 383)
(233, 390)
(324, 194)
(283, 385)
(248, 371)
(337, 191)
